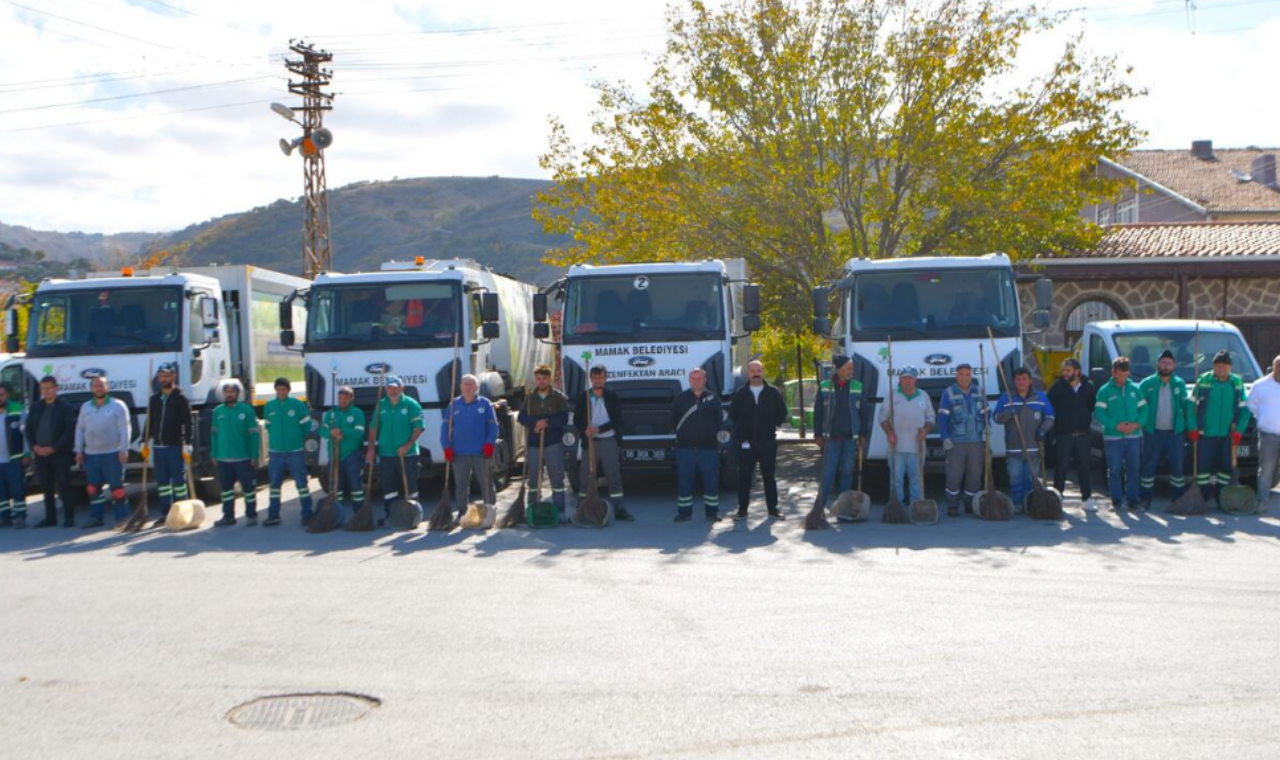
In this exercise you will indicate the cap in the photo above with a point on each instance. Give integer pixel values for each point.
(1166, 354)
(1222, 357)
(170, 367)
(909, 371)
(394, 381)
(346, 390)
(839, 361)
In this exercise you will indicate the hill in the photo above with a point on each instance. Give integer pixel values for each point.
(69, 246)
(483, 218)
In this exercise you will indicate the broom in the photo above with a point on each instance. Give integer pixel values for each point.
(592, 511)
(326, 517)
(894, 513)
(515, 513)
(1041, 503)
(991, 504)
(923, 511)
(1236, 499)
(816, 519)
(1192, 502)
(362, 521)
(138, 520)
(442, 516)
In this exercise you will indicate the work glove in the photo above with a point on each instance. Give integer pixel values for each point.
(947, 445)
(448, 454)
(1236, 437)
(186, 453)
(1194, 435)
(146, 451)
(488, 451)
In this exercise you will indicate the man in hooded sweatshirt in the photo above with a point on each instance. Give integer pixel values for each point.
(170, 415)
(102, 448)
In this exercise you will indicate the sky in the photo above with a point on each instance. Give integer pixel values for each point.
(120, 115)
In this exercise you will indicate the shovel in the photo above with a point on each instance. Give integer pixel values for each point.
(923, 511)
(187, 514)
(989, 503)
(327, 516)
(138, 520)
(1235, 498)
(405, 513)
(1192, 501)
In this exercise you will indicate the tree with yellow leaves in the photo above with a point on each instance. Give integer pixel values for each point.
(798, 134)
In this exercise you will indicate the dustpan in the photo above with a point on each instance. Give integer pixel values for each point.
(187, 514)
(478, 517)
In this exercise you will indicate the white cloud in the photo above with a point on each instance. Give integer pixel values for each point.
(468, 103)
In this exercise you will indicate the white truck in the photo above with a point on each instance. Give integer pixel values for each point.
(1143, 340)
(404, 320)
(936, 311)
(648, 325)
(214, 322)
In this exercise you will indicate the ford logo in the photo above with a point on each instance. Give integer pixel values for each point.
(378, 368)
(92, 372)
(937, 360)
(641, 361)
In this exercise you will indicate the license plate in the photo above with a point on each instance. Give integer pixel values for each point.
(645, 455)
(935, 452)
(1242, 451)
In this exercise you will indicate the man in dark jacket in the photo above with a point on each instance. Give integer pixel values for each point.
(170, 415)
(696, 416)
(51, 434)
(757, 409)
(602, 423)
(545, 413)
(1072, 398)
(841, 424)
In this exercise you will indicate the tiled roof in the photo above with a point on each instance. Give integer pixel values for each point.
(1209, 183)
(1201, 240)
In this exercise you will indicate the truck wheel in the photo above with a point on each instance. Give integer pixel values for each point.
(501, 464)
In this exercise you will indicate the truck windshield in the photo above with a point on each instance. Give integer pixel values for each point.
(105, 321)
(383, 315)
(934, 303)
(1144, 349)
(617, 309)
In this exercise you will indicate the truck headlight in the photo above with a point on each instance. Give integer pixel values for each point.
(724, 436)
(569, 439)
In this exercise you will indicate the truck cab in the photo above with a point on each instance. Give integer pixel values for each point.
(649, 324)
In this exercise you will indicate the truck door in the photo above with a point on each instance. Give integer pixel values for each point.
(1099, 360)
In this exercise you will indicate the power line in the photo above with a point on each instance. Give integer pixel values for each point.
(136, 95)
(148, 115)
(85, 24)
(193, 14)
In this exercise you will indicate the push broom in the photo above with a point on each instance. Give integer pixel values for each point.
(592, 512)
(138, 520)
(989, 503)
(362, 521)
(326, 517)
(442, 516)
(894, 513)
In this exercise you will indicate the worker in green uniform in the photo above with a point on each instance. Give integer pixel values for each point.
(344, 427)
(288, 422)
(1221, 418)
(234, 443)
(398, 424)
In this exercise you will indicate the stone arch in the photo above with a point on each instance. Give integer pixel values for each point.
(1091, 306)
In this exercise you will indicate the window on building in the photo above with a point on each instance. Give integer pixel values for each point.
(1104, 216)
(1127, 212)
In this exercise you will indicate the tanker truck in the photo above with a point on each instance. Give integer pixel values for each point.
(405, 320)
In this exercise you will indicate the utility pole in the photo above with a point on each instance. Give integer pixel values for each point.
(317, 245)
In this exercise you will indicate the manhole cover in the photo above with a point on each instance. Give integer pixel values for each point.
(290, 712)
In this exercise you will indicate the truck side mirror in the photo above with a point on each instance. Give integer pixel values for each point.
(489, 330)
(11, 345)
(1040, 318)
(1044, 295)
(286, 314)
(208, 312)
(287, 338)
(539, 307)
(11, 323)
(751, 299)
(821, 304)
(541, 330)
(489, 307)
(750, 322)
(821, 326)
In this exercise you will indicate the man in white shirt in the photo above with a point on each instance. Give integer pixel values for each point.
(1264, 403)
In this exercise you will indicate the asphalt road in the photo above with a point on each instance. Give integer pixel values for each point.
(1108, 635)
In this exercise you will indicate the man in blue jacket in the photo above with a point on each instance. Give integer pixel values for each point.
(1027, 417)
(475, 432)
(962, 425)
(696, 415)
(545, 413)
